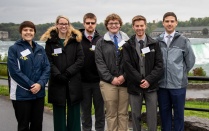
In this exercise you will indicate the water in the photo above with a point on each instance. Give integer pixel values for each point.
(200, 47)
(4, 46)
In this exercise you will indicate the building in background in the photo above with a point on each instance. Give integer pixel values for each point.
(190, 32)
(4, 35)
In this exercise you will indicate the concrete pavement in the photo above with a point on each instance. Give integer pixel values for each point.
(8, 121)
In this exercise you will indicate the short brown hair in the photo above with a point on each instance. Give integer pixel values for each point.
(113, 17)
(89, 15)
(138, 18)
(27, 24)
(169, 14)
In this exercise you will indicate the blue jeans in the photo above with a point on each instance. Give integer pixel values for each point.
(169, 99)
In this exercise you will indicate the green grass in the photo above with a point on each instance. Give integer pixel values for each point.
(3, 70)
(4, 90)
(197, 104)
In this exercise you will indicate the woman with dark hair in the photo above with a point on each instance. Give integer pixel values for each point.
(29, 71)
(66, 58)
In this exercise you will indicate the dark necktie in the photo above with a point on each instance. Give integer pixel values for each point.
(141, 42)
(116, 44)
(90, 38)
(116, 41)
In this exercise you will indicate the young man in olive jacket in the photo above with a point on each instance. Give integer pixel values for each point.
(143, 66)
(90, 77)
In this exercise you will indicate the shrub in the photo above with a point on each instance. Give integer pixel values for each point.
(199, 71)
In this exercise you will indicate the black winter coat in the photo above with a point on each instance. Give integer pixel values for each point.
(71, 60)
(153, 66)
(89, 73)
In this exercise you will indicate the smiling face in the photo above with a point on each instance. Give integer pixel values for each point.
(113, 26)
(139, 27)
(62, 25)
(170, 24)
(27, 34)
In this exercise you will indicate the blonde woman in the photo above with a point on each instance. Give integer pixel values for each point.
(66, 58)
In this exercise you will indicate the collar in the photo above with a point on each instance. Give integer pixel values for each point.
(86, 34)
(172, 34)
(112, 35)
(138, 39)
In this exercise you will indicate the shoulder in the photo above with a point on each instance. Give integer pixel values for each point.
(151, 40)
(124, 36)
(100, 41)
(15, 45)
(77, 35)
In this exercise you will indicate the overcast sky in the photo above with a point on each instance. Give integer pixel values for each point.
(46, 11)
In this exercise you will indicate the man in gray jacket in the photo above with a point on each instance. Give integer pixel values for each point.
(178, 58)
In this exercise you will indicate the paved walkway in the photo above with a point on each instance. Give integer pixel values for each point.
(8, 121)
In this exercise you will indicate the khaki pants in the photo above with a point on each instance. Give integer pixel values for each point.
(116, 104)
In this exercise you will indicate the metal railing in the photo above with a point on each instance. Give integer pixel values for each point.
(196, 78)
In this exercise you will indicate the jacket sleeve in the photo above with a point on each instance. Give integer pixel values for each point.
(54, 70)
(15, 70)
(79, 62)
(132, 74)
(103, 71)
(157, 71)
(189, 56)
(46, 71)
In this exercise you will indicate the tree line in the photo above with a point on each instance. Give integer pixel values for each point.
(14, 34)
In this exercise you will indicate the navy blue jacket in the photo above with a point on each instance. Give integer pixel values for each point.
(27, 70)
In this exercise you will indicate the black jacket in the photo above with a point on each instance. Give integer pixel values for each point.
(108, 65)
(89, 73)
(71, 60)
(153, 65)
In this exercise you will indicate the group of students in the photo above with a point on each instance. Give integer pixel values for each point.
(112, 71)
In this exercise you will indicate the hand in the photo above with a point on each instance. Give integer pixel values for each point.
(144, 84)
(115, 81)
(35, 88)
(121, 79)
(62, 78)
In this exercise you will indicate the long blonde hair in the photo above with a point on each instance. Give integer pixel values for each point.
(70, 29)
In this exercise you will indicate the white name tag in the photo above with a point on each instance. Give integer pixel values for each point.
(121, 43)
(145, 50)
(25, 52)
(58, 51)
(93, 47)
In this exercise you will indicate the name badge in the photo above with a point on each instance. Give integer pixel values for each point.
(25, 52)
(93, 47)
(58, 51)
(145, 50)
(121, 43)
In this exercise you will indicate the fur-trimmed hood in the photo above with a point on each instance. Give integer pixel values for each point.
(53, 32)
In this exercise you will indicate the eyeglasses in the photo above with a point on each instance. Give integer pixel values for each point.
(111, 24)
(92, 23)
(63, 24)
